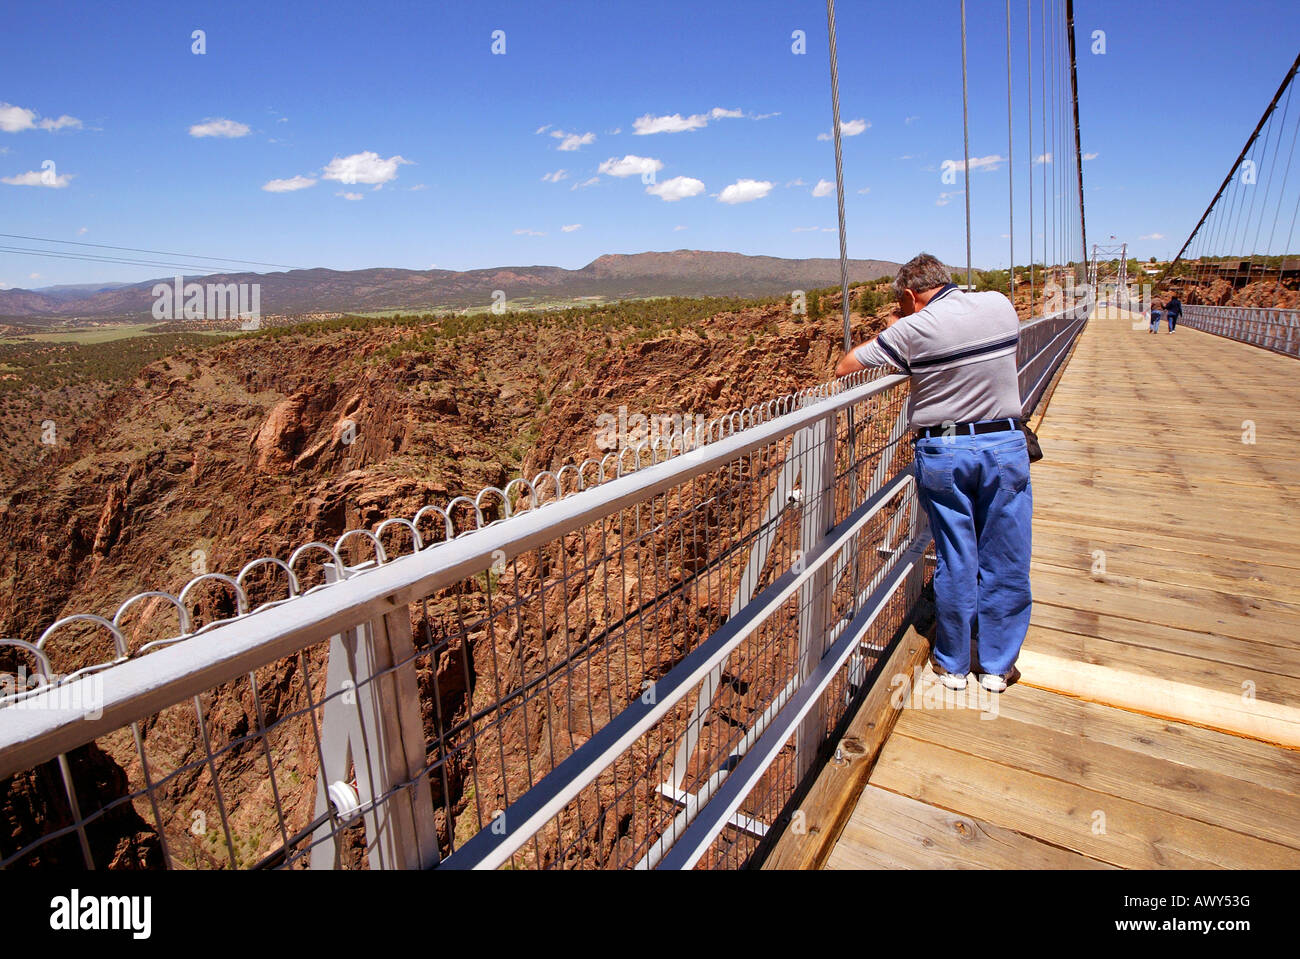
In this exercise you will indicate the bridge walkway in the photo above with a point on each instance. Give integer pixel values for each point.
(1158, 721)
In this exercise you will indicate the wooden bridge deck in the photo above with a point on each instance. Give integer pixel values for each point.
(1158, 720)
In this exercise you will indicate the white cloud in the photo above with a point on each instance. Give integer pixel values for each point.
(572, 141)
(988, 163)
(367, 167)
(745, 191)
(908, 121)
(13, 119)
(865, 189)
(528, 233)
(16, 119)
(83, 231)
(289, 185)
(673, 123)
(418, 186)
(946, 198)
(585, 183)
(849, 128)
(676, 123)
(58, 124)
(555, 177)
(571, 227)
(823, 188)
(1042, 158)
(630, 165)
(1090, 156)
(351, 196)
(764, 116)
(676, 228)
(805, 229)
(797, 181)
(541, 129)
(33, 276)
(1152, 236)
(678, 188)
(220, 127)
(39, 178)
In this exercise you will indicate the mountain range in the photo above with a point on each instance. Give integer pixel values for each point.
(609, 277)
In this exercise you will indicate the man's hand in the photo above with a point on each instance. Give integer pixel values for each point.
(848, 364)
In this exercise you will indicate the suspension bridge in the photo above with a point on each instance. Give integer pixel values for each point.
(707, 652)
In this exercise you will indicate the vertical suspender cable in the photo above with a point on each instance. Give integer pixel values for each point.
(1011, 166)
(1042, 90)
(1029, 156)
(965, 129)
(1232, 172)
(839, 173)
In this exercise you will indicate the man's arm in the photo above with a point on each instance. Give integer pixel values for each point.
(887, 349)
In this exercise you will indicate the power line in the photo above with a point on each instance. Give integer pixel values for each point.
(131, 249)
(92, 258)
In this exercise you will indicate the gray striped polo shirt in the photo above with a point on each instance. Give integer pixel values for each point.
(960, 351)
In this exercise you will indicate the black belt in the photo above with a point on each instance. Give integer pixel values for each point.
(968, 429)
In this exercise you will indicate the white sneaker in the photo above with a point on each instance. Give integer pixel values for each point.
(998, 684)
(951, 680)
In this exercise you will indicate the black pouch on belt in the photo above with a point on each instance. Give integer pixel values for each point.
(1031, 442)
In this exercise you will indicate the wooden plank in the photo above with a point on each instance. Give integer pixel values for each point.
(889, 831)
(830, 802)
(1102, 526)
(1269, 766)
(1068, 815)
(1174, 567)
(1201, 794)
(1236, 654)
(1183, 607)
(1229, 712)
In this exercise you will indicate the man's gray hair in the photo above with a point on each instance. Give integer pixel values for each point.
(921, 273)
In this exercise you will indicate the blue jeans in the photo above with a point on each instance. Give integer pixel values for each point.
(976, 492)
(1173, 321)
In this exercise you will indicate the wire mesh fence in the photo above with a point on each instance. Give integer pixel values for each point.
(395, 740)
(1276, 330)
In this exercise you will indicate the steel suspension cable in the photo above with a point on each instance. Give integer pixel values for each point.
(1228, 179)
(1286, 177)
(1268, 189)
(965, 126)
(1011, 166)
(839, 174)
(1042, 90)
(1029, 155)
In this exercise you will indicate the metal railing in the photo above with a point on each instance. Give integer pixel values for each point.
(635, 665)
(1044, 344)
(1271, 329)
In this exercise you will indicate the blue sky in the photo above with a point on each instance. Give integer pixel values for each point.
(409, 98)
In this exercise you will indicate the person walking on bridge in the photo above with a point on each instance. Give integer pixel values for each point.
(1157, 314)
(1173, 312)
(972, 463)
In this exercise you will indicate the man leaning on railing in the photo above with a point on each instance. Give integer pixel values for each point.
(972, 464)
